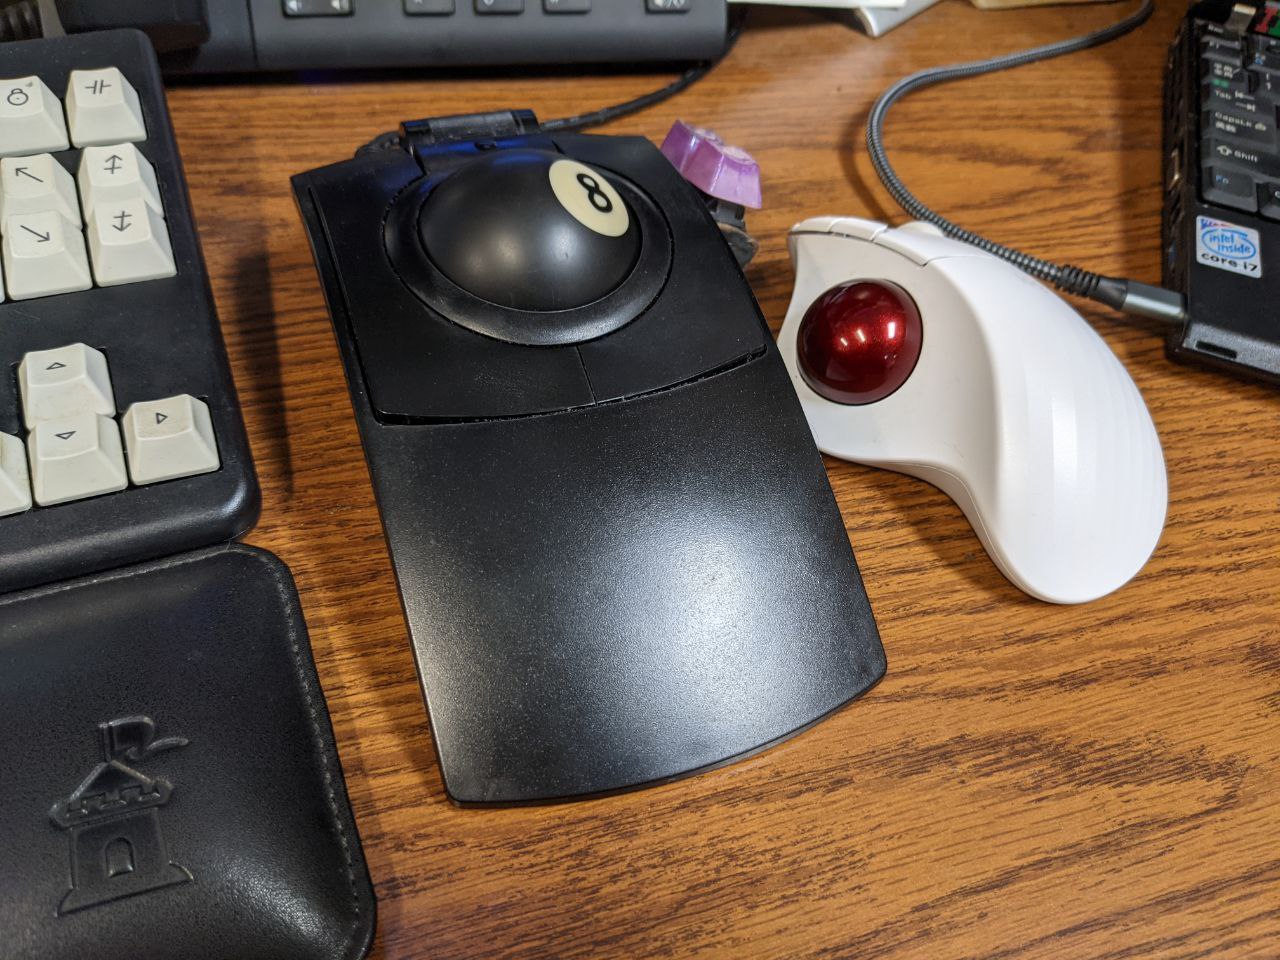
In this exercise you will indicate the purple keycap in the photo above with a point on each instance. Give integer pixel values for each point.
(725, 172)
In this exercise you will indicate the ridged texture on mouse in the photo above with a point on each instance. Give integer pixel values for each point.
(1017, 410)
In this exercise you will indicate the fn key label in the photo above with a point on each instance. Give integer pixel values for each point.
(1226, 246)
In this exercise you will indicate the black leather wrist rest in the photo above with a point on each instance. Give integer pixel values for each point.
(170, 788)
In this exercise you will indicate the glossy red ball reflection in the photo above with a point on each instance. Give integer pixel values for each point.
(859, 341)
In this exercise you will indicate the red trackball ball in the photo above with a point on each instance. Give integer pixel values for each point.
(859, 341)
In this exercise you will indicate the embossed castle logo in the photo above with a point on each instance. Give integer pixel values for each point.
(117, 845)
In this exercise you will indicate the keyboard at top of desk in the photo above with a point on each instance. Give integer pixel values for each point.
(120, 432)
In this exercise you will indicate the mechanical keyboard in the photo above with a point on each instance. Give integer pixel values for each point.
(246, 36)
(120, 431)
(1222, 195)
(254, 35)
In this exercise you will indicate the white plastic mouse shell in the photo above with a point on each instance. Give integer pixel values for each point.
(1017, 409)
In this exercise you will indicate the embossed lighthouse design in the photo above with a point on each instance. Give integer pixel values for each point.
(117, 846)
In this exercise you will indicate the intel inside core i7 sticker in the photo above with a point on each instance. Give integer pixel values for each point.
(1228, 247)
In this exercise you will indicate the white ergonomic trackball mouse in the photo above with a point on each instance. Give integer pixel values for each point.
(921, 354)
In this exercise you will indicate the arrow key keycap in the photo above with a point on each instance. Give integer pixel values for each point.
(60, 383)
(129, 242)
(43, 254)
(168, 439)
(115, 173)
(74, 458)
(15, 482)
(33, 184)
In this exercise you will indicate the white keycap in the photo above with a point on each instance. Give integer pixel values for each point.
(30, 118)
(1, 279)
(15, 484)
(33, 184)
(65, 382)
(74, 458)
(43, 254)
(102, 107)
(170, 438)
(114, 173)
(129, 242)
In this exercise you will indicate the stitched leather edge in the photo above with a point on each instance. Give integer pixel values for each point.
(354, 946)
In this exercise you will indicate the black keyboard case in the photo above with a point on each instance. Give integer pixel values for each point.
(160, 338)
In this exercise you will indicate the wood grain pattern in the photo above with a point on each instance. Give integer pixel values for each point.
(1029, 780)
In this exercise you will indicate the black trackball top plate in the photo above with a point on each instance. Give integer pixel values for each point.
(620, 558)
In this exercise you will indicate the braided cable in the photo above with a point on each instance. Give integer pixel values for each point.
(1065, 277)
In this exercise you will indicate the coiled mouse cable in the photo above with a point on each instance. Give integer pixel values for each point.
(1129, 296)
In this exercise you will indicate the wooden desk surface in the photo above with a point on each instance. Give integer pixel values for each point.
(1029, 780)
